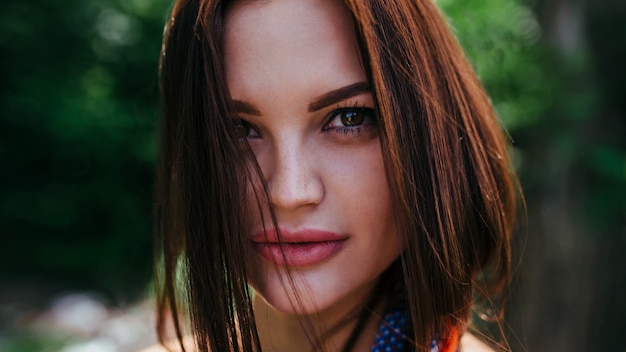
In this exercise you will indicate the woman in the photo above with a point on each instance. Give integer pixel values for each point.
(332, 178)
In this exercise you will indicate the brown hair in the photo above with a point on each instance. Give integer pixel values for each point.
(445, 154)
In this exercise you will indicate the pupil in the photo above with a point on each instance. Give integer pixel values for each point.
(352, 118)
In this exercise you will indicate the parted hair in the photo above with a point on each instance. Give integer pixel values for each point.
(453, 192)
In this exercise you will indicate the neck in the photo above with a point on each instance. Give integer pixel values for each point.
(327, 330)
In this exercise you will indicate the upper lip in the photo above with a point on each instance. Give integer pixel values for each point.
(299, 236)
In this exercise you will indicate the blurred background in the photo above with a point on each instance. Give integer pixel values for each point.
(78, 130)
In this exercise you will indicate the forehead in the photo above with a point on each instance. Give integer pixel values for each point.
(282, 43)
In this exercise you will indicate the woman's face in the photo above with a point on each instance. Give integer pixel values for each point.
(296, 78)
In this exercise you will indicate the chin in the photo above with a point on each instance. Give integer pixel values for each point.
(314, 293)
(288, 299)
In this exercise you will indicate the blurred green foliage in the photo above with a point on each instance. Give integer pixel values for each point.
(77, 140)
(500, 38)
(79, 97)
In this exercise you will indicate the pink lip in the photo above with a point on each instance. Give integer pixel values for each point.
(301, 248)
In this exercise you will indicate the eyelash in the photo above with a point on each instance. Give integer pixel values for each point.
(243, 127)
(369, 121)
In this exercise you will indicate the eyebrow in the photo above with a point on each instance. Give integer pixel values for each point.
(324, 100)
(338, 95)
(245, 108)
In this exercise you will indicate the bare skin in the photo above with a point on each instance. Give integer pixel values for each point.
(291, 334)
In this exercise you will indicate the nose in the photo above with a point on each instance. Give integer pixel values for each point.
(294, 178)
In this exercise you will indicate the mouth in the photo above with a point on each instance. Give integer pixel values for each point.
(297, 249)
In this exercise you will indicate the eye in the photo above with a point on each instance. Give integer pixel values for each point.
(350, 118)
(244, 129)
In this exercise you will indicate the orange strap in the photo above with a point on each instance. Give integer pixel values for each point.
(452, 343)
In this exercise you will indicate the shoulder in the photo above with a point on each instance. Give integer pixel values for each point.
(155, 348)
(470, 343)
(171, 346)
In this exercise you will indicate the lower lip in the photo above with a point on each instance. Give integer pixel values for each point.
(298, 254)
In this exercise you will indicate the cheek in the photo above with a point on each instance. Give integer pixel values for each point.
(360, 176)
(256, 201)
(358, 191)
